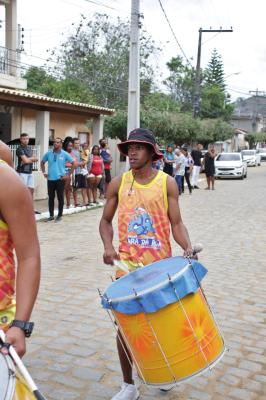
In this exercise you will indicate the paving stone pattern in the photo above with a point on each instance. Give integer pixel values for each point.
(72, 353)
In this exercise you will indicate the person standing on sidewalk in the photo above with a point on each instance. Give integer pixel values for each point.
(80, 180)
(179, 170)
(56, 159)
(21, 280)
(196, 156)
(188, 168)
(143, 189)
(210, 167)
(169, 160)
(107, 161)
(95, 171)
(25, 163)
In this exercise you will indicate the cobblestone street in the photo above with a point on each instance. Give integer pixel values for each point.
(72, 353)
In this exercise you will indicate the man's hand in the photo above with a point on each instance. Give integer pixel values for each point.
(110, 255)
(16, 337)
(188, 252)
(45, 175)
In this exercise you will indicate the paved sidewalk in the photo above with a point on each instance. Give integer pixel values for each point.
(72, 353)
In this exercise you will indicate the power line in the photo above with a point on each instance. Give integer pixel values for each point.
(170, 26)
(211, 38)
(100, 4)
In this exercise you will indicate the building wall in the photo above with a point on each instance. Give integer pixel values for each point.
(24, 120)
(246, 124)
(28, 121)
(68, 124)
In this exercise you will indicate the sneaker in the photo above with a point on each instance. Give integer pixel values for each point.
(127, 392)
(195, 187)
(37, 212)
(58, 218)
(49, 219)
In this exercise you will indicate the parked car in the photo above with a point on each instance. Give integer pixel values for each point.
(252, 157)
(262, 152)
(230, 165)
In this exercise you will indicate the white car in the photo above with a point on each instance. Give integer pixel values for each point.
(230, 165)
(262, 152)
(252, 157)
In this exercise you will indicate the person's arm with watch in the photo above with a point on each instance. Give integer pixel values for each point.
(16, 210)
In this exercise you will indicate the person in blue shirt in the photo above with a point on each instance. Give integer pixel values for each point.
(56, 160)
(169, 160)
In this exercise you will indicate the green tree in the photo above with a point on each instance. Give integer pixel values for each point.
(42, 82)
(180, 82)
(255, 138)
(97, 55)
(158, 101)
(215, 101)
(214, 73)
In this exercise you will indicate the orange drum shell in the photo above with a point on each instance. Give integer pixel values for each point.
(174, 343)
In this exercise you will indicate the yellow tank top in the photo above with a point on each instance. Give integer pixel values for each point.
(7, 267)
(143, 222)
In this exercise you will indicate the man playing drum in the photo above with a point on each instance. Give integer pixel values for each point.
(17, 231)
(147, 202)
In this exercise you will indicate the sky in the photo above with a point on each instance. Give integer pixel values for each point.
(47, 23)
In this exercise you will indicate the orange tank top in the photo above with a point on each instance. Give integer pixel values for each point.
(7, 267)
(143, 222)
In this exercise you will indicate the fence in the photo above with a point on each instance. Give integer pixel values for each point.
(35, 153)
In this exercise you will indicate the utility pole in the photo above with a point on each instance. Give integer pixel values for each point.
(255, 109)
(133, 118)
(196, 105)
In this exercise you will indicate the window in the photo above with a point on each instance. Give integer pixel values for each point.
(51, 134)
(228, 157)
(84, 137)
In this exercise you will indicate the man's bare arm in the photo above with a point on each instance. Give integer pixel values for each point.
(5, 154)
(28, 160)
(17, 211)
(179, 230)
(106, 227)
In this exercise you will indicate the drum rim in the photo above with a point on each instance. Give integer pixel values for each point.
(151, 289)
(195, 374)
(11, 384)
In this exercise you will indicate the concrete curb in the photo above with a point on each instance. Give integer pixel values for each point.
(68, 211)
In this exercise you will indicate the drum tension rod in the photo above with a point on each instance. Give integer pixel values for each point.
(104, 296)
(11, 373)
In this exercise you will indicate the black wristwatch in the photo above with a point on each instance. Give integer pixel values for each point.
(25, 326)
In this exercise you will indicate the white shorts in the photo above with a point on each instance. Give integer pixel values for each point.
(28, 180)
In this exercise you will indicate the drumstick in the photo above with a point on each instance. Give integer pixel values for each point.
(23, 370)
(197, 248)
(121, 265)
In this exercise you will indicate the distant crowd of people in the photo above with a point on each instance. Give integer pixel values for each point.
(183, 165)
(70, 167)
(74, 167)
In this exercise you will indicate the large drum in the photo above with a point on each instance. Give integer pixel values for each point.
(12, 385)
(165, 320)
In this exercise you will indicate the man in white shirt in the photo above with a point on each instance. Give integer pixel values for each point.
(179, 170)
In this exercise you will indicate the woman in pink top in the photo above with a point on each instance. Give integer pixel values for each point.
(95, 170)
